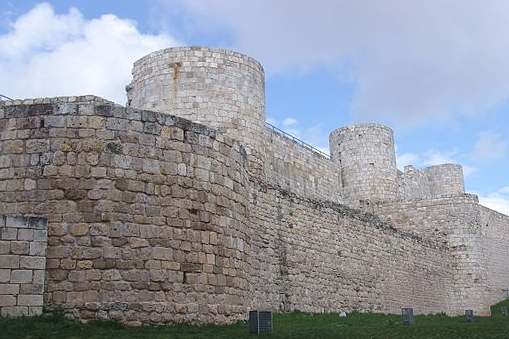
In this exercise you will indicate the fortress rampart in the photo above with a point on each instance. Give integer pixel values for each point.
(153, 217)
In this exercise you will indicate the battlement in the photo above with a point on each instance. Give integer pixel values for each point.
(431, 182)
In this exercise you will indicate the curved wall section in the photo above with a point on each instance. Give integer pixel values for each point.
(366, 156)
(219, 88)
(147, 213)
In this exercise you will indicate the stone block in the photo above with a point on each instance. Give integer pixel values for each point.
(9, 288)
(40, 235)
(20, 247)
(9, 261)
(98, 172)
(162, 253)
(9, 233)
(79, 230)
(29, 184)
(170, 265)
(110, 275)
(38, 276)
(92, 253)
(55, 121)
(13, 146)
(30, 300)
(14, 311)
(5, 247)
(213, 238)
(84, 264)
(149, 231)
(74, 298)
(76, 276)
(112, 253)
(7, 300)
(180, 308)
(93, 275)
(211, 259)
(32, 262)
(68, 264)
(21, 276)
(31, 289)
(5, 161)
(179, 256)
(38, 248)
(59, 252)
(16, 222)
(137, 242)
(26, 234)
(5, 275)
(34, 310)
(38, 223)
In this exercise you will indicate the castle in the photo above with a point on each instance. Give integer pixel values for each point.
(185, 206)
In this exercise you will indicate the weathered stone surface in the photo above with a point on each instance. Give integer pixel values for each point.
(148, 217)
(9, 261)
(30, 300)
(21, 276)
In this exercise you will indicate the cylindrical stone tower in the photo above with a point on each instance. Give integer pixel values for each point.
(366, 157)
(219, 88)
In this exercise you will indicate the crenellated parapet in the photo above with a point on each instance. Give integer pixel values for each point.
(431, 182)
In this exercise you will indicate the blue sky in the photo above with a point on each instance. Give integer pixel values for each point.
(435, 71)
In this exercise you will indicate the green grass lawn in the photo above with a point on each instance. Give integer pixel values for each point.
(294, 325)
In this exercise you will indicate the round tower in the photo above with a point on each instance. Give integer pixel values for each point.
(366, 156)
(219, 88)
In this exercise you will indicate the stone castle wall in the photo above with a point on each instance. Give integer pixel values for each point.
(22, 265)
(474, 249)
(301, 170)
(318, 256)
(153, 218)
(495, 237)
(147, 213)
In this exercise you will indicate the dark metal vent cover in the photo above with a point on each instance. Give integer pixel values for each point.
(260, 321)
(503, 310)
(469, 314)
(408, 316)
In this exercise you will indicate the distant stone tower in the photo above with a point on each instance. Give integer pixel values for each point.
(445, 180)
(218, 88)
(366, 156)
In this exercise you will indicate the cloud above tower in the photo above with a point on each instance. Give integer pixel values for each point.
(49, 54)
(411, 61)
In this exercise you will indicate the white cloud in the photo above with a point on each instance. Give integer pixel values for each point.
(504, 190)
(498, 200)
(489, 145)
(467, 170)
(49, 54)
(432, 157)
(289, 122)
(315, 136)
(272, 121)
(406, 159)
(412, 61)
(435, 157)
